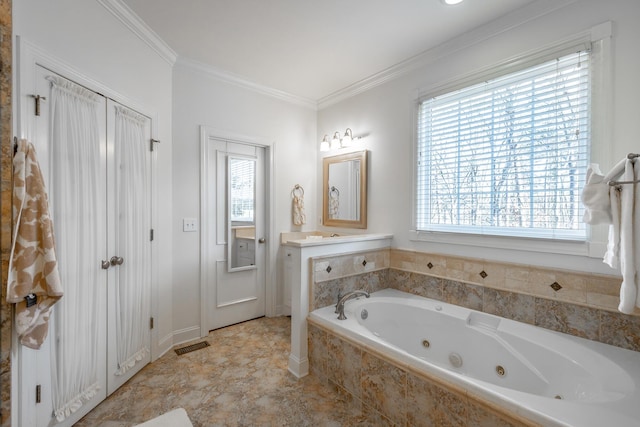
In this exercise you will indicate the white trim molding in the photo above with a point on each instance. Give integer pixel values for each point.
(239, 81)
(512, 20)
(140, 29)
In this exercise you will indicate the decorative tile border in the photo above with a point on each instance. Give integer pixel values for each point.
(591, 290)
(573, 319)
(327, 268)
(337, 275)
(574, 303)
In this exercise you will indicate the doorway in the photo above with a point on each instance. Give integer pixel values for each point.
(234, 239)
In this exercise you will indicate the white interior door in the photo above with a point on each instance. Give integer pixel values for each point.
(99, 194)
(235, 239)
(129, 224)
(75, 177)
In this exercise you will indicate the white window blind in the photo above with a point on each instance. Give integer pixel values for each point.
(242, 177)
(507, 156)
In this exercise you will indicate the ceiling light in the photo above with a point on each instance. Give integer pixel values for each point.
(451, 2)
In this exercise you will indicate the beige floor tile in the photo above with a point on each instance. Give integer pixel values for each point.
(240, 380)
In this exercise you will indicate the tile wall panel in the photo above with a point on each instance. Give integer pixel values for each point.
(391, 395)
(580, 304)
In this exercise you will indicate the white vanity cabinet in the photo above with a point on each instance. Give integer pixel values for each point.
(297, 277)
(291, 271)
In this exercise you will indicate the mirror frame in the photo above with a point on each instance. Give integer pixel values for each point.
(230, 226)
(362, 221)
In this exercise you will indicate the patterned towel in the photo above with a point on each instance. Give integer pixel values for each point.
(34, 280)
(297, 209)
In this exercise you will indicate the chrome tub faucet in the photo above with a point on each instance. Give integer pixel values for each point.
(345, 298)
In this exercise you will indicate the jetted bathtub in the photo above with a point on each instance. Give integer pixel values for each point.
(551, 378)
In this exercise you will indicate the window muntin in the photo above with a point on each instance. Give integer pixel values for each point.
(507, 156)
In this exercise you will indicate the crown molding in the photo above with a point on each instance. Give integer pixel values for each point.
(236, 80)
(508, 22)
(132, 21)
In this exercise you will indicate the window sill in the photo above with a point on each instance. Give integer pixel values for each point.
(566, 247)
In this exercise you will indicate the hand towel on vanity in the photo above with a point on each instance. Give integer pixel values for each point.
(34, 281)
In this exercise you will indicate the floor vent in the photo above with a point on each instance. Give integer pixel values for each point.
(192, 347)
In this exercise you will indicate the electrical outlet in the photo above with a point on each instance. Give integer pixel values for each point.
(189, 224)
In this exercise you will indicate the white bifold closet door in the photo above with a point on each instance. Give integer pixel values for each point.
(96, 160)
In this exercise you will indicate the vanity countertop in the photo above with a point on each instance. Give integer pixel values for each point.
(316, 238)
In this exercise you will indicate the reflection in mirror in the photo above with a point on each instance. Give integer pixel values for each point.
(241, 192)
(345, 190)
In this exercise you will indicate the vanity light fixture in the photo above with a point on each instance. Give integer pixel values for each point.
(324, 145)
(335, 141)
(338, 142)
(347, 139)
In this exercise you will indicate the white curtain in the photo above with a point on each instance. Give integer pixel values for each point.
(78, 201)
(133, 288)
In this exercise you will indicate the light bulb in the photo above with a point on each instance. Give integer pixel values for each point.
(347, 139)
(335, 141)
(324, 145)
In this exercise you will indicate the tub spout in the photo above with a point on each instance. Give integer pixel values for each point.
(345, 298)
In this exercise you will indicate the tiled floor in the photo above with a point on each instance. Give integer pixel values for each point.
(240, 380)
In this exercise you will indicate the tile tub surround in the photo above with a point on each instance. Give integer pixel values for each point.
(338, 274)
(585, 305)
(392, 394)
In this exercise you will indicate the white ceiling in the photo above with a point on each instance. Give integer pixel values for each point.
(311, 48)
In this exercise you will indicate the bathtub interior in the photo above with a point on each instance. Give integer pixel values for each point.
(494, 350)
(549, 378)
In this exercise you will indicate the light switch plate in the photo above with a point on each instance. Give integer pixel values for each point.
(189, 224)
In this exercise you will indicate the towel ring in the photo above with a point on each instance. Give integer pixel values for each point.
(297, 191)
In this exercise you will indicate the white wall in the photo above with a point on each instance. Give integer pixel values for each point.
(89, 39)
(202, 99)
(385, 112)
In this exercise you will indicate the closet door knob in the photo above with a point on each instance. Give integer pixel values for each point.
(105, 264)
(116, 260)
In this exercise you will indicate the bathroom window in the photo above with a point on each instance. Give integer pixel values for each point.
(508, 156)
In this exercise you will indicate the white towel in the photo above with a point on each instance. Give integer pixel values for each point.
(612, 256)
(595, 197)
(629, 233)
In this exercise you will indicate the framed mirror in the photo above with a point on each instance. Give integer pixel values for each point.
(241, 221)
(344, 198)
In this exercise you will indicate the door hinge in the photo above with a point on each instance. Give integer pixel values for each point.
(151, 323)
(38, 98)
(151, 235)
(38, 393)
(152, 142)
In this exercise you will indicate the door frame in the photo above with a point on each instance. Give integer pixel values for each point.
(206, 135)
